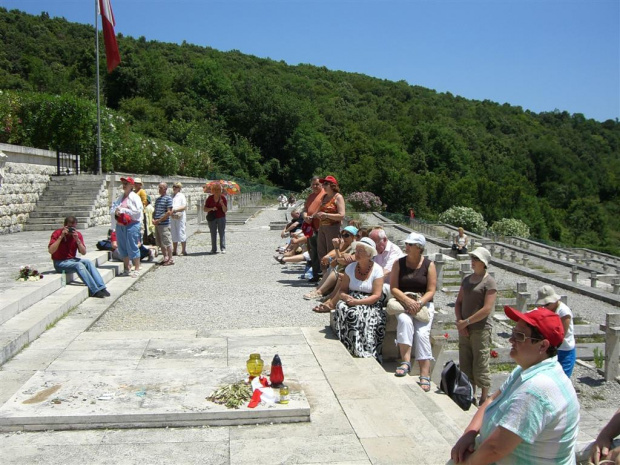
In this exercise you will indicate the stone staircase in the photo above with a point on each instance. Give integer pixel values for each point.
(28, 310)
(66, 195)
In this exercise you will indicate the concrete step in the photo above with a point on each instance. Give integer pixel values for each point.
(392, 417)
(48, 227)
(56, 208)
(47, 214)
(28, 325)
(51, 220)
(21, 297)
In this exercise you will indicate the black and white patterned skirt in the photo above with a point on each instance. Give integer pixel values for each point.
(361, 328)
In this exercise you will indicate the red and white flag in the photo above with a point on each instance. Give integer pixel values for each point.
(112, 54)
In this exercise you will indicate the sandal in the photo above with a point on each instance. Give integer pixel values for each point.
(403, 370)
(425, 383)
(168, 263)
(313, 295)
(322, 308)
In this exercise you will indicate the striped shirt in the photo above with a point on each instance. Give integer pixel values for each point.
(540, 406)
(162, 205)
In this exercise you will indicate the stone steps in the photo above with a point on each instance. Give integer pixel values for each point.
(393, 418)
(26, 312)
(64, 196)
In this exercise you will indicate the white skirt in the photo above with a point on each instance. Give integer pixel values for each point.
(177, 230)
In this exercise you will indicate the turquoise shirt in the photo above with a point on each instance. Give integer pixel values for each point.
(540, 406)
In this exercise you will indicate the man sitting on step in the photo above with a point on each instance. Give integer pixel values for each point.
(64, 245)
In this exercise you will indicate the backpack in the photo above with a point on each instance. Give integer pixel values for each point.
(104, 244)
(456, 385)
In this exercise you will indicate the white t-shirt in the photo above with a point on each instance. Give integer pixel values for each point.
(179, 201)
(569, 339)
(363, 286)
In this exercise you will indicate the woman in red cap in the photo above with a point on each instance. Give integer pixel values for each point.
(126, 216)
(330, 214)
(534, 416)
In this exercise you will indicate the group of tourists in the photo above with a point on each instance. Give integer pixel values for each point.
(533, 417)
(136, 221)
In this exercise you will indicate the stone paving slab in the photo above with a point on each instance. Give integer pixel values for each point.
(143, 382)
(129, 398)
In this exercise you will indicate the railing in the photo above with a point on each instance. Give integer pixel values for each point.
(67, 164)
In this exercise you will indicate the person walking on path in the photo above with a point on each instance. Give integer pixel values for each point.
(474, 304)
(127, 215)
(330, 214)
(177, 225)
(216, 207)
(161, 220)
(313, 202)
(63, 247)
(567, 353)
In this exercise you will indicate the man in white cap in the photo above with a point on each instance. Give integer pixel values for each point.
(567, 353)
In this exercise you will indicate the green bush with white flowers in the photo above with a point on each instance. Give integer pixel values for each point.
(465, 217)
(511, 227)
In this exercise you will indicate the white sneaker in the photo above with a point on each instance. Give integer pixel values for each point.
(151, 255)
(223, 250)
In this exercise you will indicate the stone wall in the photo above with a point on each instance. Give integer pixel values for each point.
(26, 175)
(27, 172)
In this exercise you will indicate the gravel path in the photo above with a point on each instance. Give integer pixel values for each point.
(244, 288)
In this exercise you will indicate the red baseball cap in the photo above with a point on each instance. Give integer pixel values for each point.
(128, 180)
(547, 322)
(328, 179)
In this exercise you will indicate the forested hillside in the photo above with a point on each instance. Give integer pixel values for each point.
(187, 109)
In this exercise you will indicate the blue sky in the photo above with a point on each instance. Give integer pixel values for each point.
(539, 54)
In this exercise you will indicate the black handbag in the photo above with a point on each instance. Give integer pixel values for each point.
(211, 215)
(456, 384)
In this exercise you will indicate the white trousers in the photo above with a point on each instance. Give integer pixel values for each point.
(412, 332)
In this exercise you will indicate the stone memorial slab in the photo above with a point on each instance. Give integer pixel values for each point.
(143, 382)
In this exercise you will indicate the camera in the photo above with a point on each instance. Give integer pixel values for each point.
(71, 229)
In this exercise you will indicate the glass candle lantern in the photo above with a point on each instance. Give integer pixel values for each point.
(255, 365)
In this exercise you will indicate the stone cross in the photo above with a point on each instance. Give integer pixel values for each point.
(612, 347)
(593, 279)
(439, 263)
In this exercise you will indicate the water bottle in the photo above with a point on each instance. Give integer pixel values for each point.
(63, 279)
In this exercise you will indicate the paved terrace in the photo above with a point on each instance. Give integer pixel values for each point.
(360, 413)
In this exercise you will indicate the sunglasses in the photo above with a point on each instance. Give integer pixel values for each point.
(521, 337)
(345, 235)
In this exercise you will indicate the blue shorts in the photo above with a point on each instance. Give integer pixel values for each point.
(567, 359)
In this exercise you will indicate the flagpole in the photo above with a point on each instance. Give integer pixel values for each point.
(99, 171)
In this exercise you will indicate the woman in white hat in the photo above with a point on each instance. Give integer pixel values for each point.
(567, 354)
(414, 273)
(474, 304)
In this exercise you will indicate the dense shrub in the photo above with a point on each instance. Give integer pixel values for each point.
(464, 217)
(365, 202)
(511, 227)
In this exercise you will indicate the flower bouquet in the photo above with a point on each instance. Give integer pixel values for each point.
(28, 273)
